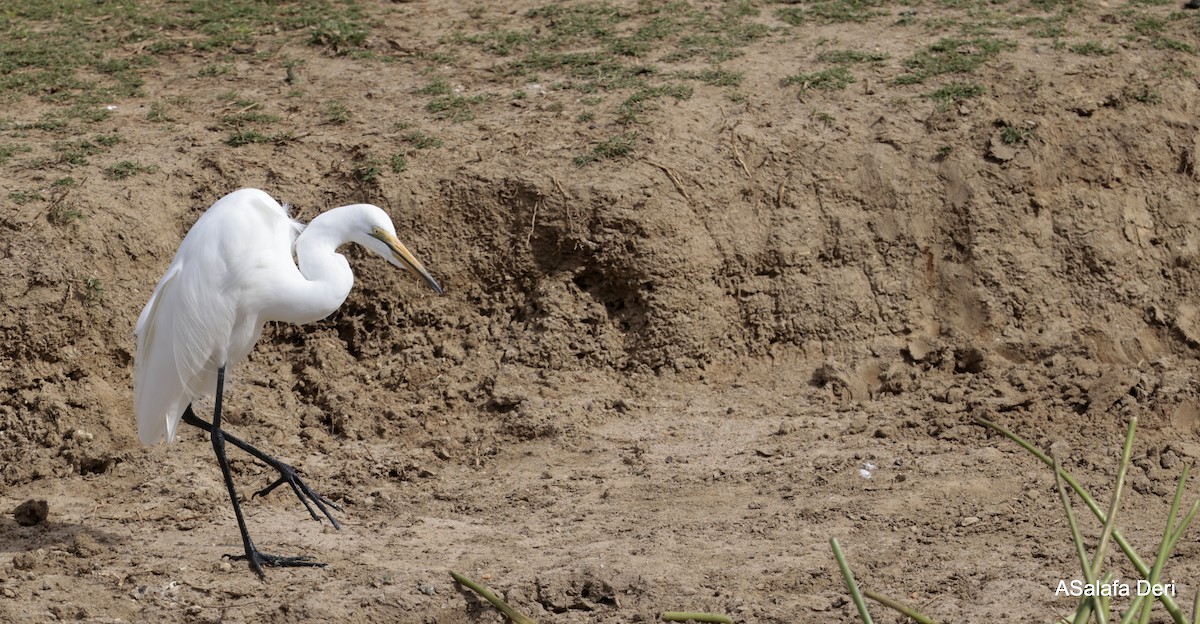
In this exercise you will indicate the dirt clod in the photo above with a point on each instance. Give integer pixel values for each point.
(31, 512)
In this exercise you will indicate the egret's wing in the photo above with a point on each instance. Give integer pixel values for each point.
(205, 312)
(183, 333)
(156, 394)
(159, 399)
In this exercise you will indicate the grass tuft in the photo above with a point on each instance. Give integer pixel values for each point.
(950, 56)
(832, 12)
(851, 57)
(126, 169)
(1092, 48)
(956, 91)
(620, 146)
(831, 79)
(336, 112)
(455, 108)
(420, 140)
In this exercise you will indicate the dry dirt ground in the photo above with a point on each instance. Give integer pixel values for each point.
(688, 336)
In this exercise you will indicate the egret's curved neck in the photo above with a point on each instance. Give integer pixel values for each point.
(325, 276)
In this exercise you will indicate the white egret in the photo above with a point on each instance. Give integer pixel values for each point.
(235, 270)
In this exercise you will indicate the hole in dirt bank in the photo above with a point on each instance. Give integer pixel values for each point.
(968, 360)
(562, 265)
(623, 301)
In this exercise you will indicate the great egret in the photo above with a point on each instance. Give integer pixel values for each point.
(235, 270)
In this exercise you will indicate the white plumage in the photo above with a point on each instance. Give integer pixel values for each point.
(233, 272)
(243, 263)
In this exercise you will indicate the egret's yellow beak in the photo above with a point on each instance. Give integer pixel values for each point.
(406, 258)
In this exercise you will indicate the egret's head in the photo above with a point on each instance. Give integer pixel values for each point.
(381, 238)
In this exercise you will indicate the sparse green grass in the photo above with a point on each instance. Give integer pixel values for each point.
(237, 100)
(831, 12)
(1055, 5)
(830, 79)
(86, 112)
(398, 162)
(7, 151)
(62, 214)
(451, 106)
(455, 108)
(597, 47)
(956, 91)
(715, 77)
(108, 140)
(21, 198)
(93, 291)
(340, 33)
(951, 56)
(215, 70)
(57, 52)
(851, 57)
(1092, 48)
(367, 170)
(1012, 135)
(1041, 26)
(1049, 31)
(291, 69)
(252, 116)
(158, 113)
(336, 112)
(76, 152)
(125, 169)
(620, 146)
(420, 140)
(75, 56)
(1148, 25)
(240, 137)
(1144, 94)
(630, 111)
(438, 86)
(1166, 43)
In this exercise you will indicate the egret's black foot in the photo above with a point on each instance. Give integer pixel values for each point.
(259, 559)
(288, 475)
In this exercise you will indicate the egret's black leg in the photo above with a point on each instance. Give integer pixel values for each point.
(253, 556)
(287, 474)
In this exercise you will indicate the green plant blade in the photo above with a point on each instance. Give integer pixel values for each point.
(509, 612)
(851, 584)
(1143, 569)
(896, 605)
